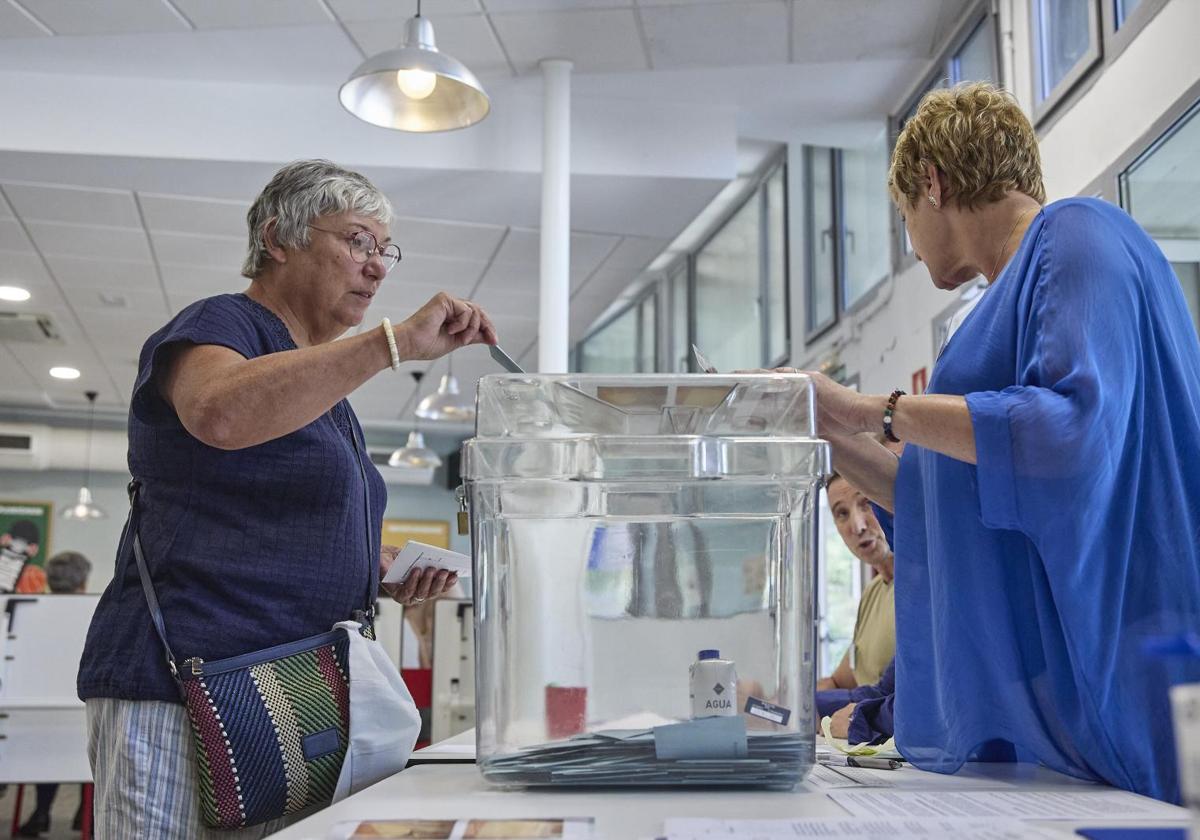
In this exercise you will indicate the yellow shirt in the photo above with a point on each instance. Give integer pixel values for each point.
(874, 643)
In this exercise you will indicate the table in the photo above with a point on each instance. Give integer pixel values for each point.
(457, 749)
(445, 791)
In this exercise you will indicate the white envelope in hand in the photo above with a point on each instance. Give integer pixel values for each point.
(416, 555)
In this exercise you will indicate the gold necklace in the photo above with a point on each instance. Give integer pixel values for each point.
(1016, 224)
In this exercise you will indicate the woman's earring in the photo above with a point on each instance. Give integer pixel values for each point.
(932, 200)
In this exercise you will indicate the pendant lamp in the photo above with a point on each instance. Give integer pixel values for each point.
(415, 454)
(415, 87)
(448, 403)
(84, 508)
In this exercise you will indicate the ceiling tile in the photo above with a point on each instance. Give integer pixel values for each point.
(12, 237)
(195, 282)
(42, 295)
(458, 277)
(550, 5)
(93, 242)
(588, 250)
(597, 40)
(717, 35)
(117, 302)
(360, 10)
(225, 252)
(501, 302)
(608, 281)
(77, 272)
(15, 24)
(184, 214)
(235, 14)
(23, 268)
(12, 376)
(635, 252)
(467, 38)
(509, 277)
(87, 17)
(76, 205)
(850, 30)
(5, 211)
(446, 239)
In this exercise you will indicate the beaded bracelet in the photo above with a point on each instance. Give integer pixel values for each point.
(391, 340)
(887, 415)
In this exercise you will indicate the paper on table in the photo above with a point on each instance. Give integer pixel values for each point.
(416, 555)
(1028, 805)
(894, 829)
(565, 828)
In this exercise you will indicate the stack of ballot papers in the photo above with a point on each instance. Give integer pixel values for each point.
(714, 751)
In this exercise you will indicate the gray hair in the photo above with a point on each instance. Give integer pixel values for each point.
(67, 572)
(301, 192)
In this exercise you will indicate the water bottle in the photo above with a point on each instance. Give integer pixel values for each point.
(713, 686)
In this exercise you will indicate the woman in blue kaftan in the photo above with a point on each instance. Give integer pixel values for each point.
(1047, 507)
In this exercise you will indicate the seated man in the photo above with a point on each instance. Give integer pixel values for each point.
(874, 643)
(861, 715)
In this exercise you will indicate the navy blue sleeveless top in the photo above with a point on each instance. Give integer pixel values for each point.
(247, 548)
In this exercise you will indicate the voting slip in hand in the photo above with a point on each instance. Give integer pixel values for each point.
(416, 556)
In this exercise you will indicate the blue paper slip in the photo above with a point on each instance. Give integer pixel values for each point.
(704, 738)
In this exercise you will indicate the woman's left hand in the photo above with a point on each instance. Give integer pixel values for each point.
(840, 410)
(418, 587)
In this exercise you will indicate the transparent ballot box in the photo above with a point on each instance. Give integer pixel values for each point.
(644, 578)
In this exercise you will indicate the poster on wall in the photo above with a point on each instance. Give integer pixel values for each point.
(24, 545)
(433, 532)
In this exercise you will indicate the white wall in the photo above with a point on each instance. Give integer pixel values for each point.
(891, 337)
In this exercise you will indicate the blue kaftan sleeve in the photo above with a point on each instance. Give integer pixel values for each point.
(1058, 434)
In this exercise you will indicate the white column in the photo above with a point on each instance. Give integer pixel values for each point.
(555, 281)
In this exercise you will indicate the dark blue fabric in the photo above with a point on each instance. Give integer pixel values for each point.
(872, 721)
(247, 548)
(1026, 585)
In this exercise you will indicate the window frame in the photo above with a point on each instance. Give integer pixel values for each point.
(1116, 40)
(756, 190)
(650, 291)
(1094, 57)
(814, 331)
(941, 68)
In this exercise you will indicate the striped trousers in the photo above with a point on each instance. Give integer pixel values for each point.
(142, 759)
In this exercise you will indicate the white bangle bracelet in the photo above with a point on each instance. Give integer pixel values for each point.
(391, 340)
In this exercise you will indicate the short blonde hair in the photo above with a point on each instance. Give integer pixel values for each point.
(978, 137)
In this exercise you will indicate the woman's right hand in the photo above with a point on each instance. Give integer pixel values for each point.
(443, 324)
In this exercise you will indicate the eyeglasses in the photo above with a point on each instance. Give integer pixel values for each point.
(364, 245)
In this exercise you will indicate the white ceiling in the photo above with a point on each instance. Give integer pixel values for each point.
(136, 133)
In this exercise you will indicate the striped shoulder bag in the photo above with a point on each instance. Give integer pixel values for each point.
(271, 727)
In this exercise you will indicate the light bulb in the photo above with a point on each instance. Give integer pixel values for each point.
(416, 84)
(14, 293)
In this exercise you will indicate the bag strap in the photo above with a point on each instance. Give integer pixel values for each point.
(366, 616)
(372, 557)
(156, 615)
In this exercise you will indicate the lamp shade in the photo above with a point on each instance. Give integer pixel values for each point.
(415, 454)
(84, 508)
(447, 403)
(415, 87)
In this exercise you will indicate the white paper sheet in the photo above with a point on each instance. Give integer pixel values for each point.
(1028, 805)
(893, 829)
(825, 778)
(416, 555)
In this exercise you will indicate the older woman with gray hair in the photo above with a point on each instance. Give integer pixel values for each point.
(253, 516)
